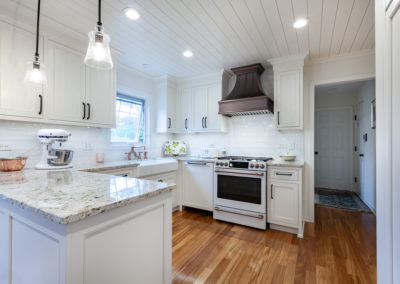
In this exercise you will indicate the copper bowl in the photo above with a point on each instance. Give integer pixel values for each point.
(13, 164)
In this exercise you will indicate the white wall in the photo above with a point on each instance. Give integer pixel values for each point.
(365, 95)
(21, 138)
(336, 69)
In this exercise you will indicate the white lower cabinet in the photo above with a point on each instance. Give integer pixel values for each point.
(197, 184)
(169, 179)
(4, 247)
(284, 199)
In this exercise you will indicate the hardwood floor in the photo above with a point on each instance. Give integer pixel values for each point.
(338, 248)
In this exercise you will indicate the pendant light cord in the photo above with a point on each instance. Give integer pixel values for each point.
(99, 21)
(37, 30)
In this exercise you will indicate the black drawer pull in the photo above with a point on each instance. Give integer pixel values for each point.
(284, 174)
(41, 104)
(84, 110)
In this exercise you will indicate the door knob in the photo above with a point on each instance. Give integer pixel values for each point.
(316, 153)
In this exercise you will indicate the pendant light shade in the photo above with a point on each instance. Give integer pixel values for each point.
(98, 54)
(35, 73)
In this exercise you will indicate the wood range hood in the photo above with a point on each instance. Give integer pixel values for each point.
(247, 97)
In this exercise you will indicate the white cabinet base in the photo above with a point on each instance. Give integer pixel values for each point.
(130, 244)
(298, 231)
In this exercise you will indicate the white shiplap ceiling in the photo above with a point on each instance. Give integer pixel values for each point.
(221, 33)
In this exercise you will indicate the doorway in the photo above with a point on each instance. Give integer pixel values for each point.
(345, 145)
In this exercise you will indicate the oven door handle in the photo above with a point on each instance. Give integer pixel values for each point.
(240, 173)
(238, 213)
(197, 163)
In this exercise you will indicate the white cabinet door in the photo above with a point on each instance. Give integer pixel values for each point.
(171, 109)
(288, 99)
(66, 76)
(183, 110)
(199, 108)
(283, 205)
(100, 96)
(17, 47)
(213, 119)
(197, 187)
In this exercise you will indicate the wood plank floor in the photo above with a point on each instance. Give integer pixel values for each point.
(338, 248)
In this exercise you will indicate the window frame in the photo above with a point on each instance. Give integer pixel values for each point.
(132, 99)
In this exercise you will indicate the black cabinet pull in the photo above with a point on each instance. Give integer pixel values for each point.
(84, 110)
(272, 188)
(205, 122)
(88, 116)
(361, 155)
(124, 175)
(186, 120)
(316, 153)
(202, 122)
(41, 104)
(284, 174)
(278, 118)
(169, 122)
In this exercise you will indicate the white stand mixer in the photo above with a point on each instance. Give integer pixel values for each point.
(54, 158)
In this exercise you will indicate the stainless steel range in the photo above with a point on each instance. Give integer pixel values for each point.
(240, 190)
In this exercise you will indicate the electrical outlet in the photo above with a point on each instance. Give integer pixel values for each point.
(292, 146)
(5, 147)
(87, 146)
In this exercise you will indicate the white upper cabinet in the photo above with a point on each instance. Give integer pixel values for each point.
(199, 108)
(67, 81)
(197, 103)
(100, 96)
(184, 110)
(75, 94)
(288, 89)
(17, 99)
(166, 104)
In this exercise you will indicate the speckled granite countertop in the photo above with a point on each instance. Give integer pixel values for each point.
(107, 166)
(67, 196)
(282, 163)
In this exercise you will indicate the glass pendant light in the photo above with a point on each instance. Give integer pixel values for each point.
(35, 73)
(98, 54)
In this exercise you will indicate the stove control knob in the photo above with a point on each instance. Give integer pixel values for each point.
(226, 164)
(257, 166)
(251, 165)
(217, 163)
(262, 166)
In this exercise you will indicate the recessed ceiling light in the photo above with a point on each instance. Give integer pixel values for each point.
(188, 53)
(131, 13)
(300, 23)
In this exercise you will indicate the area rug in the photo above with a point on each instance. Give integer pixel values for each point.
(339, 199)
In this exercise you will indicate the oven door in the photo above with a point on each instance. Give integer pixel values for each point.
(240, 189)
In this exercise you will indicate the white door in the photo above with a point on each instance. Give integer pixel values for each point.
(333, 148)
(100, 96)
(288, 99)
(66, 78)
(199, 108)
(284, 203)
(213, 119)
(198, 185)
(17, 47)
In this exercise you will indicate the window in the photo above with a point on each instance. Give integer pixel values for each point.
(130, 122)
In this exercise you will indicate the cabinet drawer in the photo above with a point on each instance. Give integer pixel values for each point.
(284, 174)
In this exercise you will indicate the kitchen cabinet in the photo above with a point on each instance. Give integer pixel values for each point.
(100, 96)
(16, 98)
(184, 111)
(166, 105)
(67, 83)
(288, 92)
(197, 185)
(284, 200)
(75, 94)
(171, 180)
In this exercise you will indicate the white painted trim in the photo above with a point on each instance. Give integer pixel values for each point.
(333, 58)
(309, 136)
